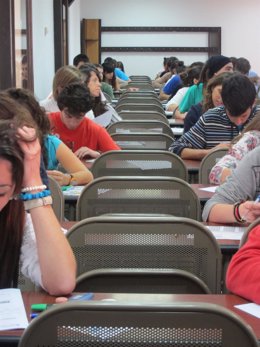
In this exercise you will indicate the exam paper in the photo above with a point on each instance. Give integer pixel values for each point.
(250, 308)
(12, 310)
(222, 232)
(209, 189)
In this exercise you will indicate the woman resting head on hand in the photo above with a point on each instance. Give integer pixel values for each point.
(30, 241)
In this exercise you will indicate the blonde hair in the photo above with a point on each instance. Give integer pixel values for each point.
(64, 76)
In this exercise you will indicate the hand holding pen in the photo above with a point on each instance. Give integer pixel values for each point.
(250, 210)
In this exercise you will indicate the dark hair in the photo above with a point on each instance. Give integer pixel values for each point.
(243, 66)
(80, 58)
(76, 99)
(111, 61)
(189, 75)
(254, 124)
(98, 106)
(12, 216)
(213, 65)
(238, 94)
(120, 65)
(26, 98)
(215, 81)
(109, 68)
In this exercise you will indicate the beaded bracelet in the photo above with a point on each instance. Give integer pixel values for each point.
(30, 196)
(30, 189)
(236, 213)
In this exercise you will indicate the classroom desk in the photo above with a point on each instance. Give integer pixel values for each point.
(227, 301)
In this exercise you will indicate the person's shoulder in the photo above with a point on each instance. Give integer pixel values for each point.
(52, 139)
(214, 112)
(54, 115)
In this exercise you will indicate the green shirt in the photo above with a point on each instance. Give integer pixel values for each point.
(193, 96)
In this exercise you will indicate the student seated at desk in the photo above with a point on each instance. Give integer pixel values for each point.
(234, 200)
(218, 126)
(54, 151)
(241, 145)
(243, 275)
(35, 239)
(84, 137)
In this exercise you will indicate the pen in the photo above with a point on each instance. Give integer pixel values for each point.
(34, 315)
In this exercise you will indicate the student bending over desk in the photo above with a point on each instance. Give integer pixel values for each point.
(54, 151)
(80, 134)
(34, 239)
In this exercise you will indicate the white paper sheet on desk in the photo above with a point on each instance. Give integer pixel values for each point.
(209, 189)
(250, 308)
(222, 232)
(12, 310)
(177, 130)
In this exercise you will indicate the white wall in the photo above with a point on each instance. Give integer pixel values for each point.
(238, 20)
(74, 30)
(43, 47)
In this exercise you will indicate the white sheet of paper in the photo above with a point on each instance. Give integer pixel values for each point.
(250, 308)
(209, 189)
(12, 310)
(222, 232)
(73, 190)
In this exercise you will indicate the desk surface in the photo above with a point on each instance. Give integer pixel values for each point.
(227, 301)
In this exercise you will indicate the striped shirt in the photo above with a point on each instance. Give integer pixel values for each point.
(212, 128)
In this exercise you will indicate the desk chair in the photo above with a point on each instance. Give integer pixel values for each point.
(138, 107)
(143, 115)
(140, 126)
(140, 93)
(208, 162)
(150, 100)
(135, 194)
(108, 97)
(145, 141)
(148, 281)
(147, 242)
(97, 324)
(139, 163)
(140, 85)
(137, 78)
(57, 197)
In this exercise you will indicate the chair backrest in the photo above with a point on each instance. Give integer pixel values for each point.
(208, 162)
(149, 100)
(140, 77)
(138, 107)
(137, 194)
(247, 231)
(133, 325)
(139, 163)
(107, 96)
(140, 126)
(139, 93)
(147, 242)
(143, 141)
(140, 85)
(148, 281)
(57, 197)
(143, 115)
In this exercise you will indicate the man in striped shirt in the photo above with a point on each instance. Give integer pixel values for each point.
(218, 126)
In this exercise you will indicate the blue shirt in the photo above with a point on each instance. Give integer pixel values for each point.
(51, 144)
(172, 85)
(120, 74)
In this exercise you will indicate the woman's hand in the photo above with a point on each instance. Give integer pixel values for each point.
(31, 148)
(249, 210)
(86, 152)
(60, 177)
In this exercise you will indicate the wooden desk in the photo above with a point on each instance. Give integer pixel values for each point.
(226, 301)
(202, 194)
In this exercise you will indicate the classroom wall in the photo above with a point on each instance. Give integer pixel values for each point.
(238, 20)
(43, 47)
(74, 30)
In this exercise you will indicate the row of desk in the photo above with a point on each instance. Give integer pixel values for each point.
(227, 301)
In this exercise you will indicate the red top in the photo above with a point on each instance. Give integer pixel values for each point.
(87, 134)
(243, 275)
